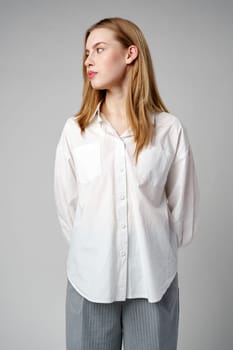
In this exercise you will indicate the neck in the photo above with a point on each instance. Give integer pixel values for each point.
(114, 107)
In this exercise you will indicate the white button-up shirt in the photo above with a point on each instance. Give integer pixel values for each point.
(124, 222)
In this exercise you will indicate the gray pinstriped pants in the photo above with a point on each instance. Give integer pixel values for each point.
(134, 323)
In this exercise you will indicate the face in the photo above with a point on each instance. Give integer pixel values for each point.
(107, 58)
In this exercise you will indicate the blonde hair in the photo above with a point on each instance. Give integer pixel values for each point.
(143, 97)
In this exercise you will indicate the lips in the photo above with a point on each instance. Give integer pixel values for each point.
(91, 74)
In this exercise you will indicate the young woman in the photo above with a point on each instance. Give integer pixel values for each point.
(127, 197)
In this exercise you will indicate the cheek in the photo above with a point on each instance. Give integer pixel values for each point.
(114, 63)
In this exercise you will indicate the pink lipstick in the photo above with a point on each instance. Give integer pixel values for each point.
(91, 74)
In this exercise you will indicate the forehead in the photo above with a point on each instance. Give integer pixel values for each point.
(100, 35)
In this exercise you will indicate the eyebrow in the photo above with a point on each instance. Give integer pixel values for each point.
(99, 42)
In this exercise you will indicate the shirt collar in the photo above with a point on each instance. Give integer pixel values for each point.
(97, 114)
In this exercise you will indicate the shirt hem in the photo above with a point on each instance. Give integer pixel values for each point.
(163, 291)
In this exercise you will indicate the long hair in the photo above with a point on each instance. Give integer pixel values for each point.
(143, 96)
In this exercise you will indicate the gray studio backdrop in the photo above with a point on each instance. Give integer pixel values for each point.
(41, 82)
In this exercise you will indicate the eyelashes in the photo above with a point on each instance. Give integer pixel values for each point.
(98, 48)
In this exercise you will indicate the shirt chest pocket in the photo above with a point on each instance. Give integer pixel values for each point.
(87, 160)
(152, 167)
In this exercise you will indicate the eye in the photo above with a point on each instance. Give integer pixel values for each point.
(99, 48)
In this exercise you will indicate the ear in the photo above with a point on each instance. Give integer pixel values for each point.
(132, 53)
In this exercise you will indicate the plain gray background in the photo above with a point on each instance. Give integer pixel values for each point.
(41, 82)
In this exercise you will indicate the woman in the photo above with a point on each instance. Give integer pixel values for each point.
(127, 196)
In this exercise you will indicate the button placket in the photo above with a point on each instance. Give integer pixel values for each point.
(122, 213)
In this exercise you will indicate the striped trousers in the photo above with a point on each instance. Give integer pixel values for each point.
(133, 324)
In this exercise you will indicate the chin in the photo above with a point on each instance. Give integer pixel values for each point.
(100, 86)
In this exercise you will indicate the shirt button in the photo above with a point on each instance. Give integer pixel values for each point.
(122, 169)
(123, 225)
(122, 196)
(123, 253)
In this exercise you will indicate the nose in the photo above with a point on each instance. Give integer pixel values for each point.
(89, 60)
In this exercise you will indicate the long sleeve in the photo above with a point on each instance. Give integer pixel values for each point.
(182, 190)
(65, 186)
